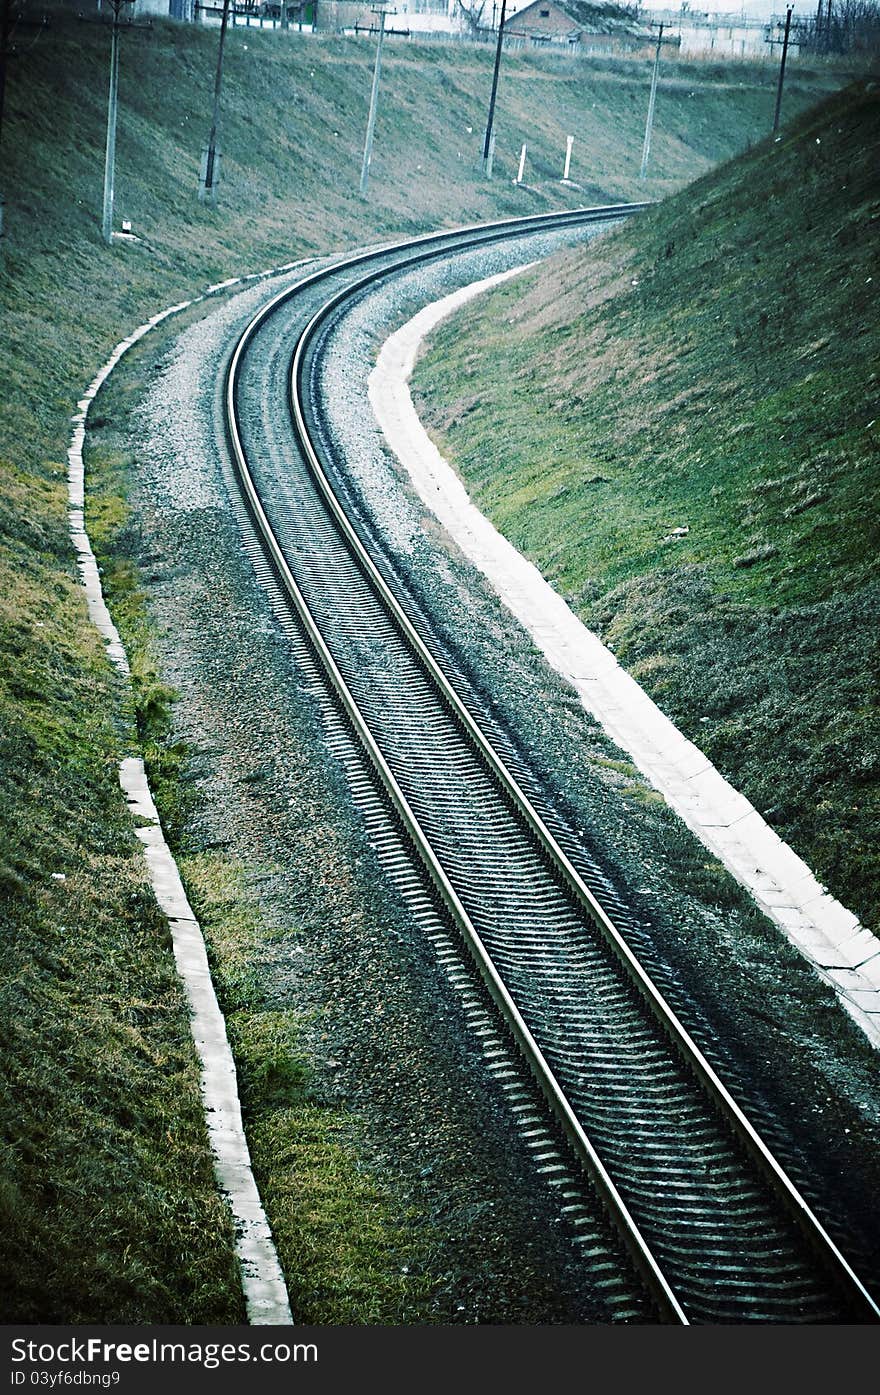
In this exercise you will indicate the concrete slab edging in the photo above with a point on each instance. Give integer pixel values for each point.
(265, 1291)
(842, 951)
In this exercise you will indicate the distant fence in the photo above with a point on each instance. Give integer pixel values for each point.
(258, 16)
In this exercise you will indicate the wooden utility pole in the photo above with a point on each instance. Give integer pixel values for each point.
(110, 152)
(782, 70)
(211, 156)
(490, 120)
(646, 148)
(5, 29)
(374, 102)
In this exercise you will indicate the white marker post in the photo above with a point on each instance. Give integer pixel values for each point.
(569, 142)
(522, 165)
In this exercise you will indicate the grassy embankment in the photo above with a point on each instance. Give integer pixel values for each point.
(106, 1202)
(711, 367)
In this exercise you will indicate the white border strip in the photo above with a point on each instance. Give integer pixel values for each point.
(263, 1283)
(844, 953)
(265, 1292)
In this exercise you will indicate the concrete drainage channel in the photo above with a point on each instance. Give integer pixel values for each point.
(263, 1285)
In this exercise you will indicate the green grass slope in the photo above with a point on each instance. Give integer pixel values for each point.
(107, 1204)
(713, 367)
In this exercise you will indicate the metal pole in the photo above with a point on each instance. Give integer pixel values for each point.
(646, 148)
(110, 155)
(374, 101)
(210, 187)
(487, 162)
(782, 70)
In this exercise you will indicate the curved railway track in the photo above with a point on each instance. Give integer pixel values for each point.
(712, 1222)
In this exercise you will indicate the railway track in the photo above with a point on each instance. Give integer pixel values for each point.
(711, 1221)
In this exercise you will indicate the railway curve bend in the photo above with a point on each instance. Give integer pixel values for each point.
(710, 1218)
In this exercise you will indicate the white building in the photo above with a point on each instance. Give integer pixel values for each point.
(725, 35)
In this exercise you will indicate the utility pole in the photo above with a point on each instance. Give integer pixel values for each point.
(782, 70)
(110, 154)
(487, 146)
(374, 102)
(211, 155)
(646, 148)
(5, 28)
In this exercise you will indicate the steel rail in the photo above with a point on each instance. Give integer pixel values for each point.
(424, 248)
(640, 1252)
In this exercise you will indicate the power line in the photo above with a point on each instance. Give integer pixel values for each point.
(110, 152)
(782, 67)
(487, 147)
(374, 102)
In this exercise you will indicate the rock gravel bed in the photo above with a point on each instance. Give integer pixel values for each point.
(385, 1036)
(385, 1033)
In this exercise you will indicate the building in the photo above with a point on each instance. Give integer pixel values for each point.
(703, 34)
(579, 26)
(543, 22)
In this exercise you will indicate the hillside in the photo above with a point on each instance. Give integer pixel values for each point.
(690, 454)
(107, 1202)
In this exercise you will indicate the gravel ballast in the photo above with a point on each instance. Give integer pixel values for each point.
(385, 1033)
